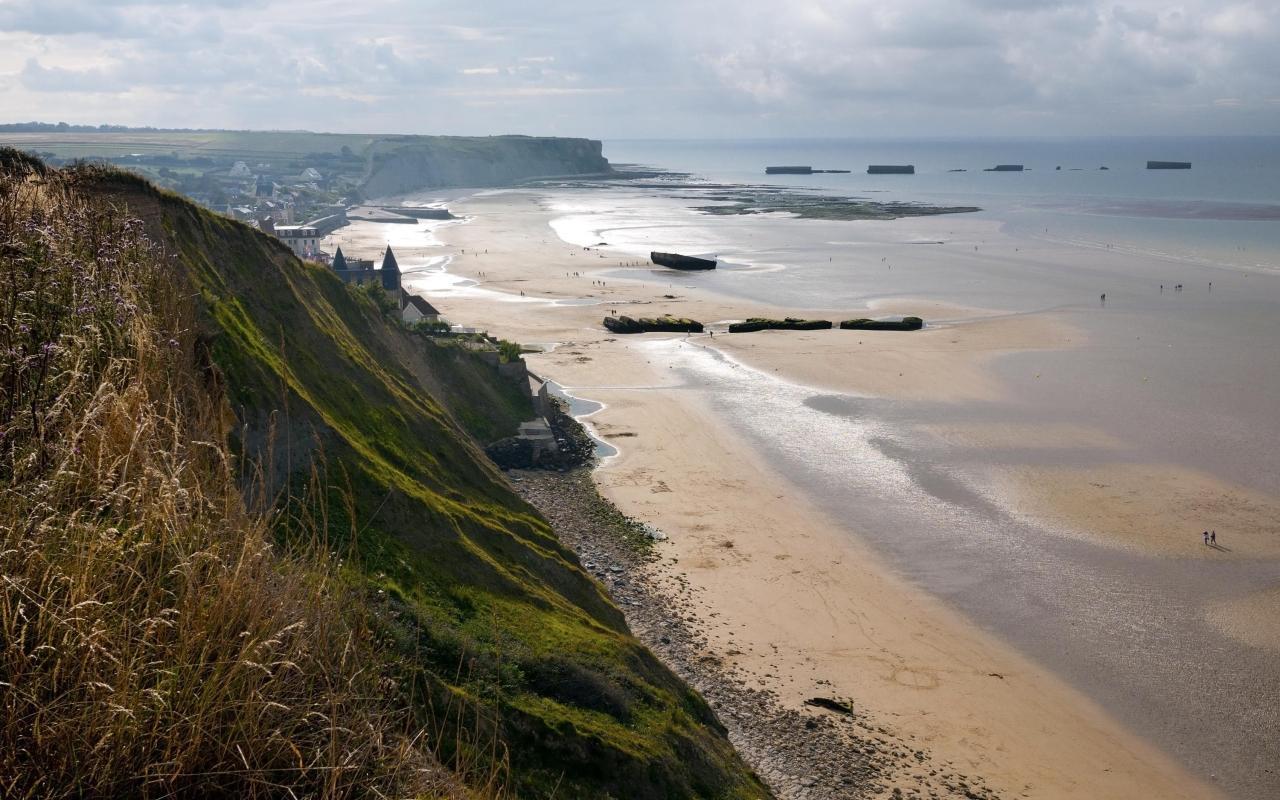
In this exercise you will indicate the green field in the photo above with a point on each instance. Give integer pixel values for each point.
(220, 145)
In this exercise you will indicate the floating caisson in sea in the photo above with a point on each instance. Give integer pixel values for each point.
(1168, 165)
(677, 261)
(891, 169)
(800, 171)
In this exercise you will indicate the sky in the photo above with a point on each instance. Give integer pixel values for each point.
(649, 68)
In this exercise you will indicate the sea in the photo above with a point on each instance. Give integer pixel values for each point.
(1187, 377)
(1233, 185)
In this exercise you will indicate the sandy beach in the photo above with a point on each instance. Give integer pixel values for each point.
(788, 596)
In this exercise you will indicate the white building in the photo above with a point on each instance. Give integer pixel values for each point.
(414, 308)
(303, 240)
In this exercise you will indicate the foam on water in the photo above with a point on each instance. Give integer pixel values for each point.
(582, 409)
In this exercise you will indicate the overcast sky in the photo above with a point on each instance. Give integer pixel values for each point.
(649, 68)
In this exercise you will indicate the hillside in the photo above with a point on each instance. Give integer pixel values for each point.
(238, 168)
(498, 655)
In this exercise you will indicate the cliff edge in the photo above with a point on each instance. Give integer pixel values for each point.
(402, 164)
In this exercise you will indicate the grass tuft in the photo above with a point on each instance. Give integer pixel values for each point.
(153, 639)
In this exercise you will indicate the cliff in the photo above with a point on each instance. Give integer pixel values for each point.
(453, 604)
(401, 164)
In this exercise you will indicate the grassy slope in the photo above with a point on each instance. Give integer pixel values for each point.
(154, 642)
(489, 616)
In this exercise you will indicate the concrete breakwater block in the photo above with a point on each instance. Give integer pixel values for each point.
(663, 324)
(905, 324)
(788, 324)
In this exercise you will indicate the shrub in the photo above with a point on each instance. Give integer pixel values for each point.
(384, 301)
(509, 351)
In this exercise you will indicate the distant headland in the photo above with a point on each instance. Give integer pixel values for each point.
(295, 176)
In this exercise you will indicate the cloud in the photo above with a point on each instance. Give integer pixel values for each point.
(808, 67)
(61, 17)
(56, 79)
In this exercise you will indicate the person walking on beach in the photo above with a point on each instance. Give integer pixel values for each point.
(1213, 538)
(1206, 537)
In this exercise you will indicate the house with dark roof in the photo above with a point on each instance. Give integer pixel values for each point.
(414, 309)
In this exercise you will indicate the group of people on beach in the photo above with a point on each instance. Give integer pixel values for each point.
(1211, 537)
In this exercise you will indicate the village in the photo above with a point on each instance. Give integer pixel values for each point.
(550, 439)
(304, 241)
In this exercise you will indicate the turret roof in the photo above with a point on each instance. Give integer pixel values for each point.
(389, 261)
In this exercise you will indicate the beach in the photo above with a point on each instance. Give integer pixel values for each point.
(786, 470)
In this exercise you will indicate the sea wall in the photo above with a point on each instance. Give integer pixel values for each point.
(400, 165)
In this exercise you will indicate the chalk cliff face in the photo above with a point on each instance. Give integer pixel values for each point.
(405, 164)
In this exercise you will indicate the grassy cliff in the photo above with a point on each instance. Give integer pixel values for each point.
(403, 164)
(475, 640)
(377, 164)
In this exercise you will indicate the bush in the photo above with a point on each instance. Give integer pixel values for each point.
(431, 328)
(380, 298)
(509, 351)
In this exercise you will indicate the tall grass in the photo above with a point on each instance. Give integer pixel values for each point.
(153, 641)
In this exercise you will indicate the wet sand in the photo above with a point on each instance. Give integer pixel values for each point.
(940, 362)
(1253, 620)
(1146, 507)
(803, 590)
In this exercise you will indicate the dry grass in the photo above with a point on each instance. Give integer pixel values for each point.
(153, 642)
